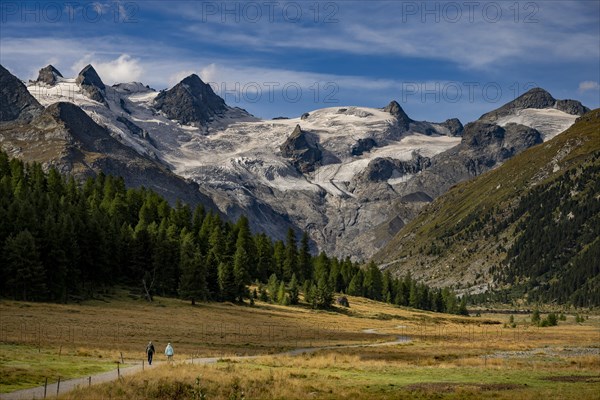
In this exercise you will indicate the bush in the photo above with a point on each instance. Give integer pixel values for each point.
(552, 319)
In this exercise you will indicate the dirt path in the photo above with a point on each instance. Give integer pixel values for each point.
(68, 385)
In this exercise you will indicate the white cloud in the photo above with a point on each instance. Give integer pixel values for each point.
(588, 85)
(122, 69)
(378, 28)
(178, 76)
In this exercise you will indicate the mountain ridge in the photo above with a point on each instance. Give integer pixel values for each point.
(468, 235)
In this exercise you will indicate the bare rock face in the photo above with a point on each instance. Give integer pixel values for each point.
(15, 100)
(454, 126)
(397, 111)
(573, 107)
(483, 147)
(382, 169)
(362, 146)
(302, 149)
(49, 75)
(91, 84)
(191, 102)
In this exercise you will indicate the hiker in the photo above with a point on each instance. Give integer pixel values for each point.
(150, 352)
(169, 352)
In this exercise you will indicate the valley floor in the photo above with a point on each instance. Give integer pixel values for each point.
(444, 356)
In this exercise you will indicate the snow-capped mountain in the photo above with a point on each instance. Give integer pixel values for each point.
(350, 176)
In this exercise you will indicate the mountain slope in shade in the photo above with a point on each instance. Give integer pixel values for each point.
(64, 136)
(15, 100)
(479, 233)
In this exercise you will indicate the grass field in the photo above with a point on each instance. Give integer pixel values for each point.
(447, 356)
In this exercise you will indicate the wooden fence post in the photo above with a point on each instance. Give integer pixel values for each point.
(45, 387)
(57, 386)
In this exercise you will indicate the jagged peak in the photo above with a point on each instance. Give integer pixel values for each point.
(49, 75)
(297, 130)
(89, 77)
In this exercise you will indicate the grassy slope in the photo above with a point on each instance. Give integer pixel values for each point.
(467, 261)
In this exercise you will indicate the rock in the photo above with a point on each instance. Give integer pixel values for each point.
(342, 301)
(75, 144)
(49, 75)
(572, 107)
(535, 98)
(191, 102)
(91, 84)
(302, 149)
(133, 128)
(277, 118)
(454, 126)
(15, 100)
(362, 145)
(304, 116)
(89, 77)
(397, 111)
(382, 169)
(124, 106)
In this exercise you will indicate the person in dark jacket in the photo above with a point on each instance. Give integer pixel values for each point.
(150, 352)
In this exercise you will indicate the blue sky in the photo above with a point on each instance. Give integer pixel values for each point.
(437, 59)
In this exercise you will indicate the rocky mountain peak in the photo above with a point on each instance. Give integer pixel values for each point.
(91, 84)
(536, 98)
(191, 102)
(89, 77)
(49, 75)
(397, 111)
(454, 126)
(302, 149)
(15, 100)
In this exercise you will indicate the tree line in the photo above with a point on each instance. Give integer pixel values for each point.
(62, 240)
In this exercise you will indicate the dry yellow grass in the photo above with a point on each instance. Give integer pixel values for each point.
(467, 351)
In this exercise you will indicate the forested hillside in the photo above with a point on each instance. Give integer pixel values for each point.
(62, 241)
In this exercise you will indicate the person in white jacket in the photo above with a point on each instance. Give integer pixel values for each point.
(169, 352)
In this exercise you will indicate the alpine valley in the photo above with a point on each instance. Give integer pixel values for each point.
(361, 181)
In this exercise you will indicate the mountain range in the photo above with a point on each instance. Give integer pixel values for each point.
(351, 176)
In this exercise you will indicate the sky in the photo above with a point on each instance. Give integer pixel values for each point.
(439, 60)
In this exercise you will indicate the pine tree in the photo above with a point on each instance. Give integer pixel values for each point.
(304, 259)
(24, 271)
(227, 285)
(281, 296)
(373, 283)
(290, 263)
(264, 254)
(273, 287)
(294, 290)
(240, 274)
(323, 295)
(192, 283)
(462, 308)
(356, 285)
